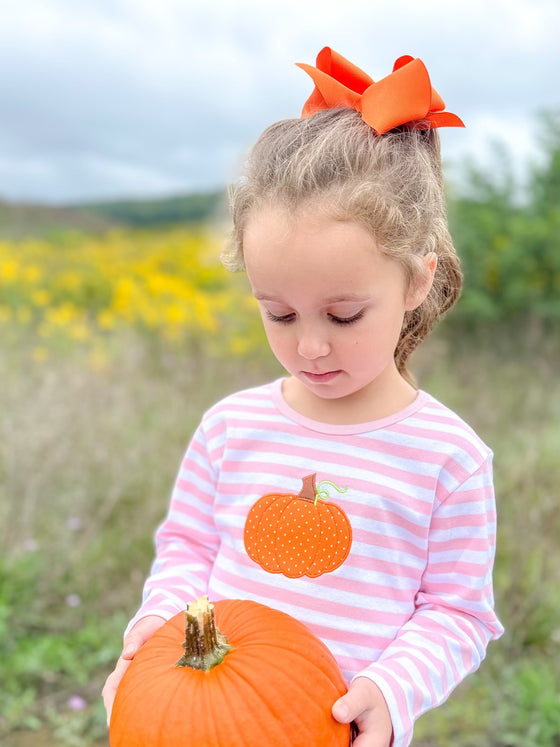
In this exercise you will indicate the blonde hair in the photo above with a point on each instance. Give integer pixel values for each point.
(391, 184)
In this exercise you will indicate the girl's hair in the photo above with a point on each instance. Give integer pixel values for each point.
(391, 184)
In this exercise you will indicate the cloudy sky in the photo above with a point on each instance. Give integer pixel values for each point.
(144, 98)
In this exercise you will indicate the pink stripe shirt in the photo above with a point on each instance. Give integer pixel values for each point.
(411, 607)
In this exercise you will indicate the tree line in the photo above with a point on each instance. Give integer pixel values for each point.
(509, 243)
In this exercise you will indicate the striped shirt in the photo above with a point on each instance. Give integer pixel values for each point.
(411, 606)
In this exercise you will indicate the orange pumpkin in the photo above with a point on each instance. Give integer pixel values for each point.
(298, 535)
(272, 682)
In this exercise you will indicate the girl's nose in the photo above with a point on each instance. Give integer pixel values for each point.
(311, 346)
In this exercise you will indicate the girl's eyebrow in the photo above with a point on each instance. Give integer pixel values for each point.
(347, 298)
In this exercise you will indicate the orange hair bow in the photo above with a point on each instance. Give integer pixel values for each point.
(404, 96)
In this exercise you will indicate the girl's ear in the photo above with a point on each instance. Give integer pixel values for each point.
(422, 283)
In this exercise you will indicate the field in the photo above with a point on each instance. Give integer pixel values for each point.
(112, 346)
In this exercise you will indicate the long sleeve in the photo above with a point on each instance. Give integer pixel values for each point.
(186, 542)
(454, 620)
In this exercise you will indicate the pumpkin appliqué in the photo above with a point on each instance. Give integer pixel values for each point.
(298, 535)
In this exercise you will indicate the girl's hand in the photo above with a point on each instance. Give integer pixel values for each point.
(365, 705)
(135, 638)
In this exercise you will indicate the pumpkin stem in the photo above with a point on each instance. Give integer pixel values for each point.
(204, 645)
(307, 491)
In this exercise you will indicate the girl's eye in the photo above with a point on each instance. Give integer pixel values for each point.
(285, 319)
(288, 318)
(346, 319)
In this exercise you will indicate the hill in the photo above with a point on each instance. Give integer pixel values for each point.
(22, 220)
(178, 209)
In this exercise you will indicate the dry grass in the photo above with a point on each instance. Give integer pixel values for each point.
(87, 462)
(90, 454)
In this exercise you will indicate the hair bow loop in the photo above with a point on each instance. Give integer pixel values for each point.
(337, 82)
(405, 96)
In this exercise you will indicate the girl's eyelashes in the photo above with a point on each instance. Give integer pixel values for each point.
(347, 319)
(287, 318)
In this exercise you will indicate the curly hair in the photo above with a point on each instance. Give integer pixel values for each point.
(391, 184)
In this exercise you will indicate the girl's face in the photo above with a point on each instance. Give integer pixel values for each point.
(332, 305)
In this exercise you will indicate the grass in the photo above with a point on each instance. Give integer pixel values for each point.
(87, 461)
(506, 385)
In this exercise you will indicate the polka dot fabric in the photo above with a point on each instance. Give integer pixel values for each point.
(298, 535)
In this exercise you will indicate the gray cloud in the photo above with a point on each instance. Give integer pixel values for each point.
(124, 98)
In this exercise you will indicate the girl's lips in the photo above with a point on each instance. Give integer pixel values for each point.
(320, 378)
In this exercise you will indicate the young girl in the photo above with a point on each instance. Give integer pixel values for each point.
(340, 224)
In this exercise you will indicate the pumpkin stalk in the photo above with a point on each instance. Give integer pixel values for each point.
(308, 491)
(204, 645)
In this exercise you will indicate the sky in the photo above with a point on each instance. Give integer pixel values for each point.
(114, 99)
